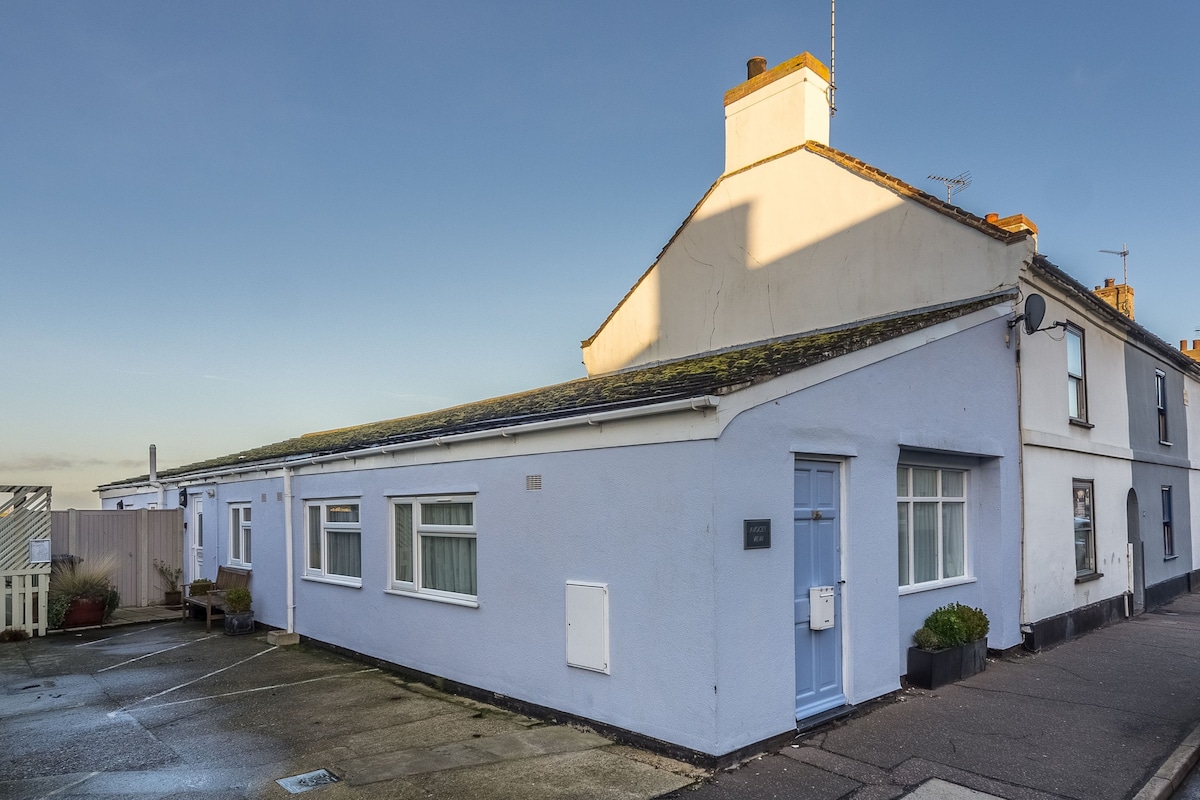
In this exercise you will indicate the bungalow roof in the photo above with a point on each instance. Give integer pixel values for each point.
(697, 376)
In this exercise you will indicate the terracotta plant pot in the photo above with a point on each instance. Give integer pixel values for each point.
(84, 611)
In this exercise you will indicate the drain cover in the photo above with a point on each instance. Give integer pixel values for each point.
(309, 780)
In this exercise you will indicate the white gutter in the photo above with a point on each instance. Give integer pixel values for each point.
(287, 549)
(701, 403)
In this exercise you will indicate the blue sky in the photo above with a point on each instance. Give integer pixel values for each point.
(223, 224)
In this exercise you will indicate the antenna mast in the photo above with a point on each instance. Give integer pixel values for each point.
(953, 185)
(832, 31)
(1124, 254)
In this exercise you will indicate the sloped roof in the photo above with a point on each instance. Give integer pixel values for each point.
(858, 167)
(712, 374)
(1042, 266)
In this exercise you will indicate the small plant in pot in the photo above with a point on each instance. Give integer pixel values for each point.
(170, 575)
(238, 616)
(81, 593)
(950, 646)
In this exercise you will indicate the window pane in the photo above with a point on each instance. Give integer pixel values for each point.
(1085, 553)
(246, 546)
(952, 484)
(235, 534)
(246, 513)
(314, 537)
(448, 563)
(952, 540)
(1074, 353)
(1073, 398)
(344, 553)
(345, 512)
(924, 482)
(902, 482)
(446, 514)
(902, 541)
(404, 543)
(925, 543)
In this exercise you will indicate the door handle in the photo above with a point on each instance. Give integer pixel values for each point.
(816, 514)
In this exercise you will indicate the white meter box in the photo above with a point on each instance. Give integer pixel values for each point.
(587, 626)
(820, 604)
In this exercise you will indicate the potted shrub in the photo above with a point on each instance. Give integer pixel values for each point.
(172, 596)
(951, 645)
(82, 593)
(199, 588)
(238, 616)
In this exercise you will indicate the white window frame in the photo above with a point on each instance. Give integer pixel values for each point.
(940, 499)
(1160, 391)
(1168, 513)
(420, 529)
(1081, 512)
(1079, 381)
(241, 522)
(316, 559)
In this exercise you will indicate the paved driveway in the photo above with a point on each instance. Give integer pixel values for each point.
(167, 710)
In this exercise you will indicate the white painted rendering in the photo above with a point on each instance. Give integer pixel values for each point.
(783, 114)
(797, 244)
(1057, 451)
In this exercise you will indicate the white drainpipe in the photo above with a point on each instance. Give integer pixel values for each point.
(287, 549)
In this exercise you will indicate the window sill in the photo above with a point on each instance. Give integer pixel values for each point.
(236, 565)
(347, 582)
(931, 585)
(1170, 558)
(1081, 423)
(1095, 576)
(453, 601)
(1168, 444)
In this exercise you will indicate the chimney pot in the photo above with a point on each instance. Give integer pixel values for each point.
(755, 67)
(1110, 282)
(1183, 344)
(992, 217)
(1196, 344)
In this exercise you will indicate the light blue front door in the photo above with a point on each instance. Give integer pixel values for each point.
(818, 563)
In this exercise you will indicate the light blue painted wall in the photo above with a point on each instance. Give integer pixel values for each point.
(957, 394)
(701, 630)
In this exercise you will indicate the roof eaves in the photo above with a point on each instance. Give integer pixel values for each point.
(1044, 267)
(706, 374)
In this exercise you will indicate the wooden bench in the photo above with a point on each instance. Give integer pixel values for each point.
(214, 599)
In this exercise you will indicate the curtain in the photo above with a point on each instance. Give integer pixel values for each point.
(953, 555)
(404, 543)
(447, 513)
(902, 541)
(314, 537)
(925, 482)
(925, 540)
(448, 563)
(344, 549)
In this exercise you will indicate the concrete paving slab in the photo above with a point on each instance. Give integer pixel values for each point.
(938, 789)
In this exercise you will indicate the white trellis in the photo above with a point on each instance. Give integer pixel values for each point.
(24, 576)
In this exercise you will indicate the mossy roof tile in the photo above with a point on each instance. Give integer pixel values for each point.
(711, 374)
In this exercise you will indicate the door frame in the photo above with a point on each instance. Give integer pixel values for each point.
(195, 549)
(841, 464)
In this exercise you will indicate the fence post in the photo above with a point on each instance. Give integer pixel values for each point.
(73, 531)
(143, 557)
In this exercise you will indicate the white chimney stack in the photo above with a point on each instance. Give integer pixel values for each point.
(776, 109)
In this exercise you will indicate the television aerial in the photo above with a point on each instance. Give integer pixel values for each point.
(1124, 254)
(953, 185)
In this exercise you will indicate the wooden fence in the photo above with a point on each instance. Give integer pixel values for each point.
(136, 538)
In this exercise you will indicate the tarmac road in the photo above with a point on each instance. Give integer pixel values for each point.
(165, 710)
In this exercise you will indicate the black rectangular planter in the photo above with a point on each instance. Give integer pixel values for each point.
(929, 669)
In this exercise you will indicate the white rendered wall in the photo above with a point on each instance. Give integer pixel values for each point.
(793, 245)
(1057, 452)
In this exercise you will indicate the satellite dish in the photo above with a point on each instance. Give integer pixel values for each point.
(1035, 312)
